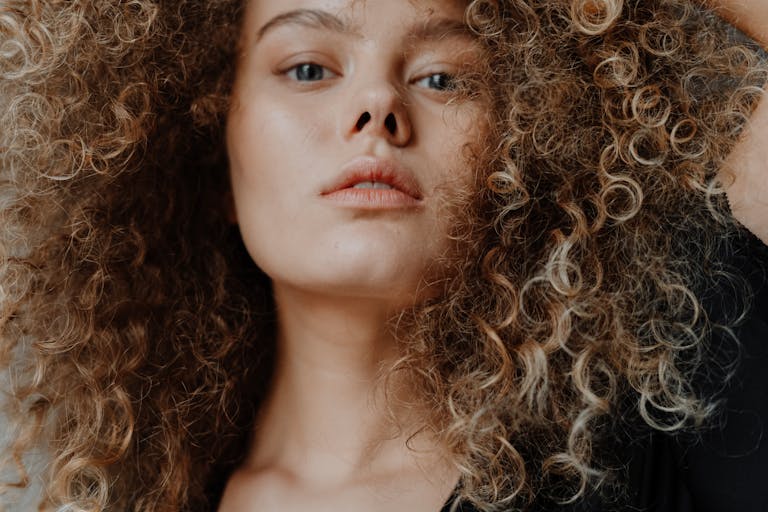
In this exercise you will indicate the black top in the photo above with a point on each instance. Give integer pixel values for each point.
(725, 467)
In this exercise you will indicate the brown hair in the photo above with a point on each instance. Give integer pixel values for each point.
(137, 334)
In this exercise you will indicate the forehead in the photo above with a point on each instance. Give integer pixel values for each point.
(353, 17)
(354, 7)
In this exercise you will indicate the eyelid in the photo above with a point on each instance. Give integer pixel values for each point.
(431, 63)
(289, 63)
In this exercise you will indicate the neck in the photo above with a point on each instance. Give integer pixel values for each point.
(327, 418)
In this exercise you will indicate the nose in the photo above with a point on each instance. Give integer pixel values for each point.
(379, 110)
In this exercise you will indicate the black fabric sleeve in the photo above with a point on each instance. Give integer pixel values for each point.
(727, 467)
(724, 467)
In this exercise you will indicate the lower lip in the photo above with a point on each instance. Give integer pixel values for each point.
(372, 199)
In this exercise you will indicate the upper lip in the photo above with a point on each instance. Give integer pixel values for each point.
(378, 170)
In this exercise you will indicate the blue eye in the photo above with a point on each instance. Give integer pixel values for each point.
(309, 72)
(438, 82)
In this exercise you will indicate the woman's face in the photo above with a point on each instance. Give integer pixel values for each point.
(345, 138)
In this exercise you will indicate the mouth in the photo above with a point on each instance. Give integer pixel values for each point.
(373, 184)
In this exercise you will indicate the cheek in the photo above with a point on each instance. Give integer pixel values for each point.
(258, 137)
(456, 146)
(257, 149)
(269, 152)
(273, 155)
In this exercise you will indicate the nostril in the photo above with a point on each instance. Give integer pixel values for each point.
(390, 123)
(363, 121)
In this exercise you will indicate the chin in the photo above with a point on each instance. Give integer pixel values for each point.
(364, 283)
(368, 265)
(392, 286)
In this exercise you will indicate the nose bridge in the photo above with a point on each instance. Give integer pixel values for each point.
(381, 98)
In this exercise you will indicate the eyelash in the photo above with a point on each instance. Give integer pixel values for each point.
(450, 81)
(293, 74)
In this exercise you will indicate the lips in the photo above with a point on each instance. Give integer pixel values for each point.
(367, 171)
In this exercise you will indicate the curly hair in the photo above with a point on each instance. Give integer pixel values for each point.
(138, 336)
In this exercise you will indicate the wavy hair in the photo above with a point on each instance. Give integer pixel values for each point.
(137, 335)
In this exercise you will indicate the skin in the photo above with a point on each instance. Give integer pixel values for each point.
(324, 439)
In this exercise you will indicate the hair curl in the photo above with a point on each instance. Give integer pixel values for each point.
(138, 336)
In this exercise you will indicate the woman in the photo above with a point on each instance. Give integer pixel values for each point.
(312, 255)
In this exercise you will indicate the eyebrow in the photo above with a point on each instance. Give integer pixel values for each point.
(311, 18)
(435, 29)
(431, 29)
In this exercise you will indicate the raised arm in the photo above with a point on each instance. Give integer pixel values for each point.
(749, 16)
(746, 172)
